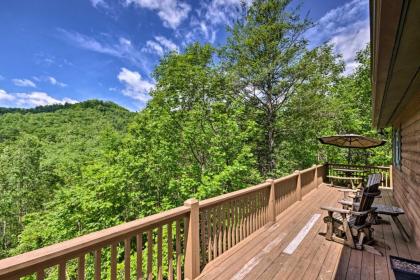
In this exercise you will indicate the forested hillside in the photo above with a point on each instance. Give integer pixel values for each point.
(219, 120)
(44, 149)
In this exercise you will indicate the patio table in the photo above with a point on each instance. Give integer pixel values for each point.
(350, 175)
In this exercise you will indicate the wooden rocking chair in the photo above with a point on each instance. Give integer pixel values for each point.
(352, 227)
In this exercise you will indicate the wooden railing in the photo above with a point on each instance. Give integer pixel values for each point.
(84, 257)
(175, 244)
(228, 219)
(385, 171)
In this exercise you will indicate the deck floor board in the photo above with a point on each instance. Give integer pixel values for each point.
(261, 256)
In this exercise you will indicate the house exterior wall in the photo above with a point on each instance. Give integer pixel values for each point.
(406, 176)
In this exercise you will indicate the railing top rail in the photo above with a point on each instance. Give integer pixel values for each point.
(361, 166)
(229, 196)
(49, 255)
(310, 168)
(285, 178)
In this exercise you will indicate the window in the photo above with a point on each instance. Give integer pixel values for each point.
(396, 147)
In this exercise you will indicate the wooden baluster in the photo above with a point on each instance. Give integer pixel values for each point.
(263, 208)
(170, 253)
(251, 214)
(202, 238)
(256, 208)
(242, 225)
(40, 275)
(178, 250)
(209, 235)
(251, 207)
(246, 216)
(263, 194)
(236, 213)
(259, 203)
(62, 271)
(127, 253)
(149, 255)
(81, 267)
(139, 244)
(214, 231)
(114, 261)
(185, 235)
(98, 264)
(220, 229)
(229, 222)
(159, 252)
(224, 226)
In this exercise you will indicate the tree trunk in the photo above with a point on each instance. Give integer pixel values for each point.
(271, 137)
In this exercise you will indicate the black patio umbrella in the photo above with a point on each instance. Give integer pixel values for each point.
(352, 141)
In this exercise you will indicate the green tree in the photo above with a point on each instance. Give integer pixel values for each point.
(267, 59)
(25, 183)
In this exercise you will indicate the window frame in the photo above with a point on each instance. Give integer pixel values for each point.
(396, 147)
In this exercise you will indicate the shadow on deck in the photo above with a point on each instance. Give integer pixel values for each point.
(274, 251)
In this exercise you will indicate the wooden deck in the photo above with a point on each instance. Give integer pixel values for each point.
(261, 256)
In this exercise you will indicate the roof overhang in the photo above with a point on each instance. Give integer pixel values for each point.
(395, 47)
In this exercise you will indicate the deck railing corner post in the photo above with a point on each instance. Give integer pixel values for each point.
(298, 186)
(316, 176)
(192, 252)
(272, 202)
(391, 178)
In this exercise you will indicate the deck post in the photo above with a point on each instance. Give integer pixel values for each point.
(391, 179)
(272, 202)
(316, 176)
(192, 252)
(298, 186)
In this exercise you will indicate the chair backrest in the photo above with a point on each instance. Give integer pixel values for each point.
(368, 195)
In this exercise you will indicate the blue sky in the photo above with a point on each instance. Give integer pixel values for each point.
(56, 51)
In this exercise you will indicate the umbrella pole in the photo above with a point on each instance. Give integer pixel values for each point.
(348, 157)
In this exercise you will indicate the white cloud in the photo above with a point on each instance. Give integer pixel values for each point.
(122, 48)
(211, 16)
(153, 47)
(160, 45)
(54, 82)
(4, 96)
(223, 11)
(50, 79)
(135, 86)
(347, 27)
(23, 83)
(168, 44)
(99, 3)
(171, 12)
(31, 99)
(38, 98)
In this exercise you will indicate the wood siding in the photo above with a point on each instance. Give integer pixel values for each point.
(407, 178)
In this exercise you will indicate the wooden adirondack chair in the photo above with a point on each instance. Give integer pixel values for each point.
(352, 227)
(352, 197)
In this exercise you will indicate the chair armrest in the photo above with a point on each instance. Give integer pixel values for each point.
(357, 213)
(347, 190)
(337, 210)
(346, 202)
